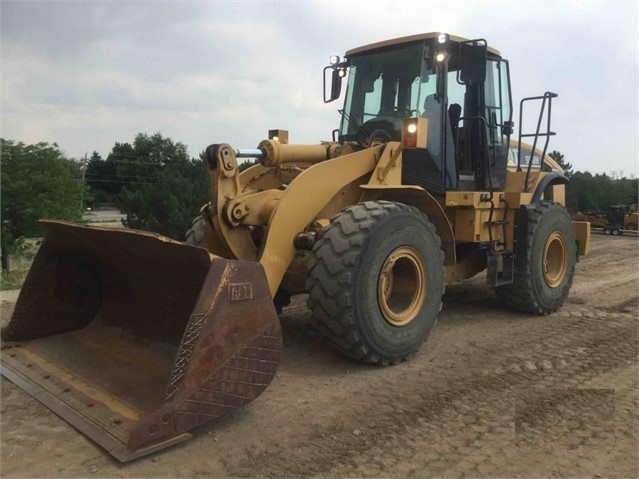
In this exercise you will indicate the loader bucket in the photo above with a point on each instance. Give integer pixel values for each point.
(135, 339)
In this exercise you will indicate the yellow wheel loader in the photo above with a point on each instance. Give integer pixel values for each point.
(136, 339)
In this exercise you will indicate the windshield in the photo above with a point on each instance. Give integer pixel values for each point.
(386, 86)
(383, 88)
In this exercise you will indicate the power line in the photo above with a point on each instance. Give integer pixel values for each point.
(122, 182)
(102, 175)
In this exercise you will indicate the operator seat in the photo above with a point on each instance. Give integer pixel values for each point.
(454, 112)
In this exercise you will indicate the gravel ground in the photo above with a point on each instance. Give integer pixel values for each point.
(491, 394)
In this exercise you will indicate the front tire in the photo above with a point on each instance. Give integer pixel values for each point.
(543, 275)
(376, 281)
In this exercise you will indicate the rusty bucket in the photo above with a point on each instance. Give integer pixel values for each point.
(135, 339)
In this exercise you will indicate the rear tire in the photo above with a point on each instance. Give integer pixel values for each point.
(543, 276)
(376, 281)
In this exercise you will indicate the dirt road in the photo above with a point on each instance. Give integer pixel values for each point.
(491, 394)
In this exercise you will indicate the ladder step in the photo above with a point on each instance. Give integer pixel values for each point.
(500, 268)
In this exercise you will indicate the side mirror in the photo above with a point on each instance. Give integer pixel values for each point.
(473, 63)
(335, 83)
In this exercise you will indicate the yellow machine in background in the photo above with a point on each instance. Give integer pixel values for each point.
(137, 339)
(615, 220)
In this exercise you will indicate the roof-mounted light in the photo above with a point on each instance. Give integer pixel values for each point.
(333, 59)
(442, 37)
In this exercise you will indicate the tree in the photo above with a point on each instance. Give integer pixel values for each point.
(245, 165)
(37, 182)
(581, 194)
(559, 158)
(101, 176)
(595, 194)
(163, 189)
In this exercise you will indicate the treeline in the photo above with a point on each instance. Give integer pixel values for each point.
(589, 193)
(37, 181)
(160, 188)
(153, 181)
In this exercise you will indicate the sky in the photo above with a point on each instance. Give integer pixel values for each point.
(88, 74)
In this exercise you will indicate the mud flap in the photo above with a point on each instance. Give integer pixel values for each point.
(135, 339)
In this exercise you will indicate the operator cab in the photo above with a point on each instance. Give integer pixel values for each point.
(462, 87)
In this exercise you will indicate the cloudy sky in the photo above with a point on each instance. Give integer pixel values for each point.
(88, 74)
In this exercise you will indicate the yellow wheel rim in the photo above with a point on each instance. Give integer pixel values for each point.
(401, 286)
(555, 260)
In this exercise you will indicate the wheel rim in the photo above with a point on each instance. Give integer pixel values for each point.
(401, 287)
(555, 260)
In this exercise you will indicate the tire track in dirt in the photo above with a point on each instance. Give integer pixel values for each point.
(609, 277)
(458, 408)
(579, 348)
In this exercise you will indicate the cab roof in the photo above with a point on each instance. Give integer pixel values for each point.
(409, 39)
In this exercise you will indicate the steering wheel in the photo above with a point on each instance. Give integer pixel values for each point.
(377, 127)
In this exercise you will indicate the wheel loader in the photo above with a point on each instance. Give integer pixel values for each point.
(620, 218)
(136, 339)
(615, 221)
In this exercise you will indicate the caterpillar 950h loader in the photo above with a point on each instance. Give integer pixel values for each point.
(136, 339)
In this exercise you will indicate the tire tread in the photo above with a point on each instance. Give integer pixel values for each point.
(330, 275)
(520, 295)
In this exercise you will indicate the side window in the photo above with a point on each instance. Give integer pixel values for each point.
(525, 157)
(456, 92)
(497, 98)
(512, 156)
(373, 100)
(504, 79)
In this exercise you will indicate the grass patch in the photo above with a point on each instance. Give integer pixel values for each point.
(19, 263)
(12, 280)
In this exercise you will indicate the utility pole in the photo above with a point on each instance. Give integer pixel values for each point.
(83, 169)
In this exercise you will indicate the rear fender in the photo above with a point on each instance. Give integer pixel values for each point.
(582, 235)
(544, 190)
